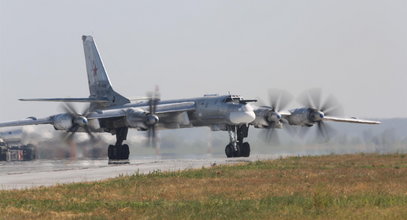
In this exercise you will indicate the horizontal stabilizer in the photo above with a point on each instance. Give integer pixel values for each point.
(67, 100)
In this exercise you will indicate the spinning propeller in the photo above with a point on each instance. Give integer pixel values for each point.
(79, 120)
(151, 117)
(278, 100)
(318, 109)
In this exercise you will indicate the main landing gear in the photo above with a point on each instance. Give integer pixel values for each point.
(236, 147)
(119, 153)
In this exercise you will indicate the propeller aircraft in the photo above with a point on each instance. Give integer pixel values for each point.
(113, 113)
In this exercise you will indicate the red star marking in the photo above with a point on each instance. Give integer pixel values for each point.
(94, 69)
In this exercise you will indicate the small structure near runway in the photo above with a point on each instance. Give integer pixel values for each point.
(17, 152)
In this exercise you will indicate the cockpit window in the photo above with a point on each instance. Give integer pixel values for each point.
(232, 99)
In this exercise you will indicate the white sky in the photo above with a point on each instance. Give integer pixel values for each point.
(356, 50)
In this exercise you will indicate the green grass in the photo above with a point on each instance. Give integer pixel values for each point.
(324, 187)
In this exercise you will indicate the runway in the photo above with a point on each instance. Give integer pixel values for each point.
(29, 174)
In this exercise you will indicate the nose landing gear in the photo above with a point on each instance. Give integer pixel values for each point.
(236, 147)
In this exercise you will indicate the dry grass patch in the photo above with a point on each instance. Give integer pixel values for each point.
(345, 186)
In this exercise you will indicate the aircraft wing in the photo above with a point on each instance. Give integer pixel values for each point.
(113, 113)
(28, 121)
(350, 120)
(66, 100)
(161, 109)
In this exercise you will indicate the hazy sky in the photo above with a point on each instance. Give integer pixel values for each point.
(356, 50)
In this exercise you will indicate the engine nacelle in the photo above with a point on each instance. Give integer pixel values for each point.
(305, 117)
(265, 117)
(151, 120)
(316, 115)
(273, 117)
(94, 124)
(62, 122)
(135, 118)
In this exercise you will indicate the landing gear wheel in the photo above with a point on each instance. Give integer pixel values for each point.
(245, 149)
(229, 150)
(118, 154)
(125, 152)
(237, 152)
(110, 152)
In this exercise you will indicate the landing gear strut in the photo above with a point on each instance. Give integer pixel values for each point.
(236, 147)
(119, 153)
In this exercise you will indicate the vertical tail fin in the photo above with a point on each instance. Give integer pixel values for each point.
(99, 82)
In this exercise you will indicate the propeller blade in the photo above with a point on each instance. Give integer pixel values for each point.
(260, 102)
(150, 105)
(302, 131)
(152, 140)
(68, 136)
(315, 97)
(273, 136)
(90, 134)
(331, 107)
(324, 130)
(153, 100)
(270, 135)
(69, 108)
(279, 99)
(273, 100)
(305, 100)
(154, 106)
(86, 111)
(293, 131)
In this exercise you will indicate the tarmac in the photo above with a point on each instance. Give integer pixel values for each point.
(31, 174)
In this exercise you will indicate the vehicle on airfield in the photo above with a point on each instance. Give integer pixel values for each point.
(113, 113)
(17, 152)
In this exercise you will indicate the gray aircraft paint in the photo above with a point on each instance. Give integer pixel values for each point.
(113, 113)
(99, 82)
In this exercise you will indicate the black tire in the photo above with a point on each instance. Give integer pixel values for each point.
(125, 152)
(245, 150)
(3, 156)
(229, 151)
(238, 151)
(110, 152)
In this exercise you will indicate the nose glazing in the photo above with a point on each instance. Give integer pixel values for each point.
(243, 115)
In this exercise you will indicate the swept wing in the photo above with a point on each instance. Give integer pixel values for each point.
(350, 120)
(112, 113)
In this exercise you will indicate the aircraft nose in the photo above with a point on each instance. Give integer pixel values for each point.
(242, 117)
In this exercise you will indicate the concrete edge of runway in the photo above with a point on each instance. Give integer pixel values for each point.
(40, 178)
